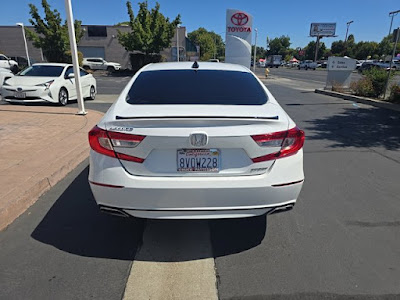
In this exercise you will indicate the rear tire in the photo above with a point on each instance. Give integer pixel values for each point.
(63, 96)
(110, 70)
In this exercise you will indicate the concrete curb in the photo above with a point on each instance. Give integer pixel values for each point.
(20, 199)
(368, 101)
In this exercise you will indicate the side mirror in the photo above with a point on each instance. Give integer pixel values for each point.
(71, 75)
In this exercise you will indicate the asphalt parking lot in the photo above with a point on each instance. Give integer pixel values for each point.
(316, 76)
(110, 85)
(341, 241)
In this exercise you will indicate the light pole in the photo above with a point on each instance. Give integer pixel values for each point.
(255, 51)
(347, 31)
(26, 45)
(391, 60)
(74, 54)
(177, 43)
(392, 14)
(316, 47)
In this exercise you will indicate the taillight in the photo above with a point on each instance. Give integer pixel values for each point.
(124, 140)
(100, 142)
(107, 143)
(290, 141)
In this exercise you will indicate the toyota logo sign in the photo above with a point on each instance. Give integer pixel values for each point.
(240, 19)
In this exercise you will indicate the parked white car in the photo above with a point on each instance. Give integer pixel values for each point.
(98, 63)
(5, 74)
(307, 64)
(51, 82)
(219, 146)
(8, 63)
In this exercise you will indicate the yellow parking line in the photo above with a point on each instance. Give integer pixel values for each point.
(175, 262)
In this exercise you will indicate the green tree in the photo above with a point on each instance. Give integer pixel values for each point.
(260, 52)
(288, 57)
(365, 49)
(210, 43)
(219, 45)
(385, 47)
(51, 34)
(125, 23)
(350, 46)
(310, 50)
(279, 46)
(338, 48)
(151, 30)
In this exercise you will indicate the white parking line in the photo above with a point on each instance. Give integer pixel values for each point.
(175, 262)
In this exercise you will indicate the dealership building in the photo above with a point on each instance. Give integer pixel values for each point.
(97, 41)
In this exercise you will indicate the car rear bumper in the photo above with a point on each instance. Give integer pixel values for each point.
(195, 197)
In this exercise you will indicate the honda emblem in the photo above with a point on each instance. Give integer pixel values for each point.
(198, 139)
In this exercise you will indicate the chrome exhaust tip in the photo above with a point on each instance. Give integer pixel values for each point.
(114, 211)
(281, 209)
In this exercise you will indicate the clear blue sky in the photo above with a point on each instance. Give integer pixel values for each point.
(272, 18)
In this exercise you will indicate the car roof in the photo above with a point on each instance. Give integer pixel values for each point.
(52, 64)
(187, 65)
(93, 58)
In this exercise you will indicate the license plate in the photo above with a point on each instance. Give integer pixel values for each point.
(198, 160)
(20, 95)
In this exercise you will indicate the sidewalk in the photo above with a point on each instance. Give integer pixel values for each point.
(39, 145)
(364, 100)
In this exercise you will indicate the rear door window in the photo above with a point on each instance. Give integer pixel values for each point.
(196, 87)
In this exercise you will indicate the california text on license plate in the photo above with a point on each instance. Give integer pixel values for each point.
(198, 160)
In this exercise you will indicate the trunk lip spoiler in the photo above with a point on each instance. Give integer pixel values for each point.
(197, 117)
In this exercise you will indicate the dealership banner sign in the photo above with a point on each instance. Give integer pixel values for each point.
(239, 27)
(322, 29)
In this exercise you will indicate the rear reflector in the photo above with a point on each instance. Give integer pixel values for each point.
(290, 141)
(286, 184)
(105, 142)
(130, 158)
(107, 185)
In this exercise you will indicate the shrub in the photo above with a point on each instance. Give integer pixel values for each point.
(378, 79)
(362, 87)
(139, 60)
(68, 57)
(394, 93)
(337, 87)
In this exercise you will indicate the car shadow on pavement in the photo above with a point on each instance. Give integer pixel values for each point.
(75, 225)
(188, 240)
(32, 103)
(359, 127)
(232, 236)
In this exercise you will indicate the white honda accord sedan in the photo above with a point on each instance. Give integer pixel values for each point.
(195, 141)
(49, 82)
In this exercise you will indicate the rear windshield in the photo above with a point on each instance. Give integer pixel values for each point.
(40, 70)
(196, 87)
